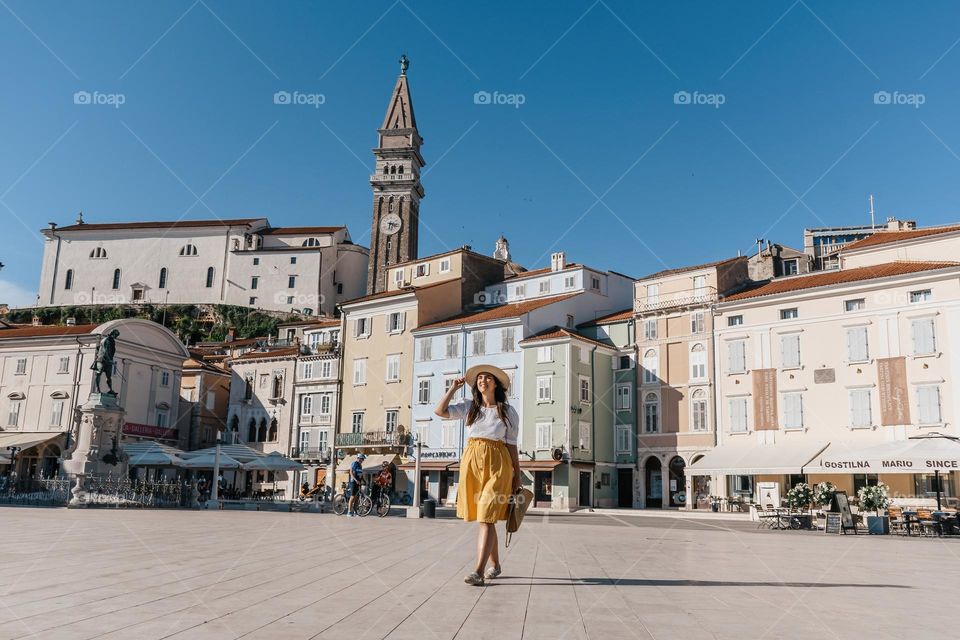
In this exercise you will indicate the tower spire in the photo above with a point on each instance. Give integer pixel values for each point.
(396, 186)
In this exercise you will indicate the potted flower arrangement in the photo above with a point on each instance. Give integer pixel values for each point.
(874, 498)
(800, 498)
(823, 493)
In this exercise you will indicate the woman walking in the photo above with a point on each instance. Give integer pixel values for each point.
(490, 468)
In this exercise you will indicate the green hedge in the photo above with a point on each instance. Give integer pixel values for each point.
(183, 319)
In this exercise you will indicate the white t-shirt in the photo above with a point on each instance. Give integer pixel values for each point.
(488, 424)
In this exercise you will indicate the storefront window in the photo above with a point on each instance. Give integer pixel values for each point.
(925, 485)
(861, 480)
(743, 485)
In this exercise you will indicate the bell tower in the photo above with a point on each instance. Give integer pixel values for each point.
(396, 186)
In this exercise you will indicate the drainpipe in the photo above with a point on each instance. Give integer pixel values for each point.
(568, 427)
(635, 397)
(593, 411)
(292, 410)
(332, 465)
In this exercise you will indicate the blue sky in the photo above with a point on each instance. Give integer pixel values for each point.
(599, 160)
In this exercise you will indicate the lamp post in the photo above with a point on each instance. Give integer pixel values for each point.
(215, 489)
(14, 450)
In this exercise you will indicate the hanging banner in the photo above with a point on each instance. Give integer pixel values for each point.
(765, 399)
(894, 398)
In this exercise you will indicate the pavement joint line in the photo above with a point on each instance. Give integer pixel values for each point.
(174, 596)
(153, 585)
(362, 579)
(282, 593)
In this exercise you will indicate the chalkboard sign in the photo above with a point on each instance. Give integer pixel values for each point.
(833, 523)
(841, 504)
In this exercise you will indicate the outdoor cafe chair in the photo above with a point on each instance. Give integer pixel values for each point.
(897, 523)
(926, 521)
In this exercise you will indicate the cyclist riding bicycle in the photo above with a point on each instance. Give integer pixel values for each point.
(353, 486)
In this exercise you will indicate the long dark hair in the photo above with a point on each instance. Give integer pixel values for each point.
(499, 394)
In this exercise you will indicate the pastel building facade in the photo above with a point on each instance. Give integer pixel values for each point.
(834, 361)
(675, 320)
(45, 376)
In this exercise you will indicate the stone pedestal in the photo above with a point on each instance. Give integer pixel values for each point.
(96, 451)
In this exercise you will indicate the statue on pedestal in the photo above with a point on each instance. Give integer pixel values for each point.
(104, 360)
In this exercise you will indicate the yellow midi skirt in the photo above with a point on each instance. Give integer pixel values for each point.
(486, 479)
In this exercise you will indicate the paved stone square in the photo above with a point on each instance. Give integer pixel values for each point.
(145, 575)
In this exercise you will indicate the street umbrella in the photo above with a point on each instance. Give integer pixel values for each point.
(206, 461)
(152, 454)
(275, 461)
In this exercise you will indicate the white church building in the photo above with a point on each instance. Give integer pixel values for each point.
(245, 262)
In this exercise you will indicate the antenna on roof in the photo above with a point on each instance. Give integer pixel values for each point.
(871, 210)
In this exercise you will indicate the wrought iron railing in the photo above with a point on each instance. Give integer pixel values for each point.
(685, 298)
(373, 439)
(100, 490)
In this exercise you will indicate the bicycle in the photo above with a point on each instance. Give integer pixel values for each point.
(381, 503)
(341, 502)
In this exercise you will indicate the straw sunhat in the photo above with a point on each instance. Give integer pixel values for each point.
(496, 372)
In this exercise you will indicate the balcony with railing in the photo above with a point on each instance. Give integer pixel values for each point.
(319, 420)
(373, 439)
(676, 299)
(392, 177)
(322, 454)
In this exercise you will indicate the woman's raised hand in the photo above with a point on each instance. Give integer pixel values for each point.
(457, 383)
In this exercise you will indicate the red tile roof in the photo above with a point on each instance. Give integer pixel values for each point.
(618, 316)
(560, 332)
(539, 272)
(165, 224)
(827, 278)
(886, 237)
(511, 310)
(272, 353)
(47, 331)
(399, 292)
(670, 272)
(278, 231)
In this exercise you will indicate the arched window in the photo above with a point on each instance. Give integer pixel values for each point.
(99, 252)
(277, 386)
(162, 282)
(209, 277)
(651, 366)
(252, 431)
(311, 242)
(188, 250)
(68, 281)
(390, 204)
(272, 436)
(698, 362)
(262, 431)
(386, 170)
(393, 170)
(698, 411)
(116, 278)
(235, 424)
(651, 413)
(400, 170)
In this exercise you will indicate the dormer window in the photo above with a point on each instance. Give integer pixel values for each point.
(311, 242)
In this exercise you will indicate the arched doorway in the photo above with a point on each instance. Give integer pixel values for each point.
(701, 489)
(678, 482)
(654, 482)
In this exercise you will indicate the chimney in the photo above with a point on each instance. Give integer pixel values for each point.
(894, 224)
(558, 261)
(53, 226)
(71, 322)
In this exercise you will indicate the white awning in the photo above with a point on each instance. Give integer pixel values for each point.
(24, 440)
(750, 457)
(920, 454)
(371, 463)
